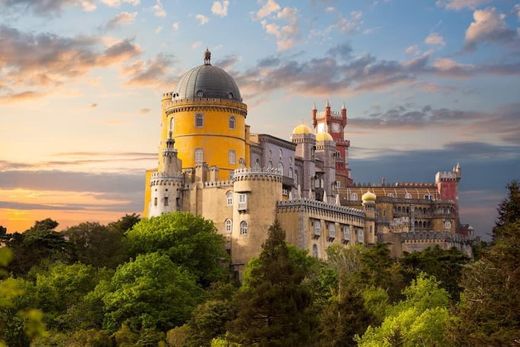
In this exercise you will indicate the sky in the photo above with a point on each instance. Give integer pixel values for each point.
(427, 84)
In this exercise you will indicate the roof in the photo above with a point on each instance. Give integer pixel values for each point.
(207, 81)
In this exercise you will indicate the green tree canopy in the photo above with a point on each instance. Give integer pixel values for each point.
(40, 242)
(445, 265)
(190, 241)
(275, 307)
(421, 319)
(150, 292)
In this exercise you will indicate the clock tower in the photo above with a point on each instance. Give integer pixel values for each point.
(334, 123)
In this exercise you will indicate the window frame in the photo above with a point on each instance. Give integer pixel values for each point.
(199, 116)
(232, 122)
(244, 228)
(195, 154)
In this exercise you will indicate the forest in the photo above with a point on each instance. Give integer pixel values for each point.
(166, 281)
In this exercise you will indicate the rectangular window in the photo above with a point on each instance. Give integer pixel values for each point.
(242, 202)
(155, 201)
(165, 201)
(199, 156)
(316, 225)
(199, 120)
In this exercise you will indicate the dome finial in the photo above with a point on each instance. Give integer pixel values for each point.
(207, 57)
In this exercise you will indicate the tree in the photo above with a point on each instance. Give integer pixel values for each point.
(275, 308)
(421, 319)
(190, 241)
(509, 209)
(150, 292)
(98, 245)
(489, 310)
(60, 291)
(40, 242)
(342, 319)
(445, 265)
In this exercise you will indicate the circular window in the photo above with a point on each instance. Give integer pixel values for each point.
(200, 93)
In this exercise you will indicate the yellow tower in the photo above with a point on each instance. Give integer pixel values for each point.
(207, 119)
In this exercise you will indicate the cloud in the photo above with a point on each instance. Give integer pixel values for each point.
(350, 24)
(158, 9)
(269, 7)
(502, 123)
(488, 26)
(45, 60)
(202, 19)
(346, 72)
(413, 50)
(175, 26)
(47, 7)
(153, 72)
(461, 4)
(434, 39)
(122, 18)
(283, 24)
(220, 8)
(117, 3)
(196, 44)
(10, 97)
(227, 62)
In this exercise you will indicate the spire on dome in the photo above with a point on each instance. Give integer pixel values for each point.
(343, 107)
(207, 57)
(327, 104)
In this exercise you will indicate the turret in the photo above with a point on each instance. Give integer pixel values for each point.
(305, 141)
(369, 206)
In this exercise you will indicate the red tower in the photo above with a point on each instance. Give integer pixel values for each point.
(334, 123)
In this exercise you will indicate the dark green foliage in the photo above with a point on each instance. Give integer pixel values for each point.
(40, 242)
(275, 308)
(190, 241)
(489, 311)
(150, 292)
(209, 321)
(342, 319)
(509, 209)
(98, 245)
(445, 265)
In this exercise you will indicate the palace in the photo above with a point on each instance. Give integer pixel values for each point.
(212, 165)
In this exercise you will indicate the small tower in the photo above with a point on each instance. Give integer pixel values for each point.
(305, 141)
(334, 123)
(447, 183)
(166, 184)
(326, 152)
(369, 205)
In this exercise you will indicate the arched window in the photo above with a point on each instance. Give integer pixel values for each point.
(199, 156)
(295, 177)
(281, 153)
(228, 226)
(172, 124)
(232, 157)
(315, 253)
(270, 166)
(257, 163)
(232, 122)
(243, 227)
(360, 236)
(199, 120)
(280, 168)
(291, 172)
(353, 196)
(229, 198)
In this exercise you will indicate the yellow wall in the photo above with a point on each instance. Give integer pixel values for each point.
(214, 137)
(147, 192)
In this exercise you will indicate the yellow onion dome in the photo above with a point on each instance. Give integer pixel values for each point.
(323, 136)
(368, 196)
(302, 129)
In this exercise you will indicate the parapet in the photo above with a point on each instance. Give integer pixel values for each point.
(257, 174)
(318, 206)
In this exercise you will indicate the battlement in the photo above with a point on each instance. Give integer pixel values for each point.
(218, 184)
(266, 174)
(446, 176)
(319, 206)
(433, 237)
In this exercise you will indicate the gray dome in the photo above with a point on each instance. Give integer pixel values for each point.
(207, 81)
